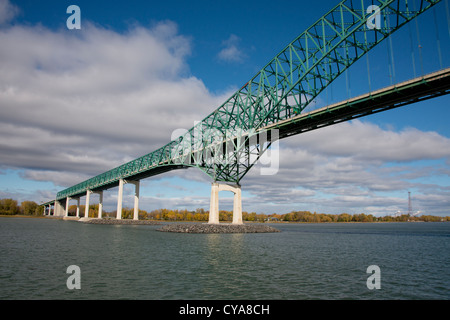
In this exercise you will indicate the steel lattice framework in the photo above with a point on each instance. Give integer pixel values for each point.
(229, 141)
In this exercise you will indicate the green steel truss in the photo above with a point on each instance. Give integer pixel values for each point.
(229, 141)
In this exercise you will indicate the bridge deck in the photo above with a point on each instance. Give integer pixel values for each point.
(411, 91)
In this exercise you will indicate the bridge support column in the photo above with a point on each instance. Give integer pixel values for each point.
(100, 204)
(86, 207)
(237, 205)
(59, 209)
(78, 207)
(119, 200)
(66, 213)
(136, 199)
(214, 204)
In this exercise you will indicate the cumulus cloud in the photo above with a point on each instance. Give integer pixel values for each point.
(91, 100)
(369, 142)
(231, 51)
(8, 12)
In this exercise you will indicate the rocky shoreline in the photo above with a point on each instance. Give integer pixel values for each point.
(217, 228)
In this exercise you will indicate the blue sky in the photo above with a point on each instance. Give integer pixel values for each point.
(75, 103)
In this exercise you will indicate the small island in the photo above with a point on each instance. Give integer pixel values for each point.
(218, 228)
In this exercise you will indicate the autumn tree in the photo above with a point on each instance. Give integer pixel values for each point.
(29, 208)
(8, 207)
(344, 217)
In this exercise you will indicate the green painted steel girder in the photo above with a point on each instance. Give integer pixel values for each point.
(225, 144)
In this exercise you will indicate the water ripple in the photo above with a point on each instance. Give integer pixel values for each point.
(304, 261)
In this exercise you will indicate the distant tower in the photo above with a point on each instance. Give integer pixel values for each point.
(409, 204)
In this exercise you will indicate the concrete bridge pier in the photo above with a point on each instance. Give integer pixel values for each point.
(88, 200)
(120, 199)
(66, 211)
(78, 207)
(136, 200)
(214, 204)
(48, 210)
(86, 207)
(66, 206)
(100, 204)
(59, 208)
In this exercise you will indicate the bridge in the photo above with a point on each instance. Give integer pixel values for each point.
(271, 106)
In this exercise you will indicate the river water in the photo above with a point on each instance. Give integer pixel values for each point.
(302, 262)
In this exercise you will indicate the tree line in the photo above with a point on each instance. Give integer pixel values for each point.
(11, 207)
(294, 216)
(29, 208)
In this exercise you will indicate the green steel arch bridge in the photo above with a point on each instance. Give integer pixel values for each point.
(227, 143)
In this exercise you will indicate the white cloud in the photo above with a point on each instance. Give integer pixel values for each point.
(88, 101)
(231, 51)
(8, 12)
(369, 142)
